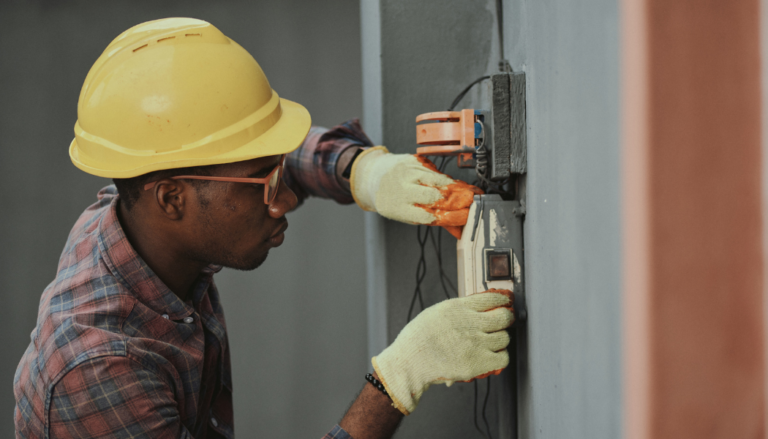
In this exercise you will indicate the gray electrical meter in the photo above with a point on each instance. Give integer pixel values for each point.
(490, 251)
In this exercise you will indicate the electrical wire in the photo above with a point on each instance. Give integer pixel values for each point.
(464, 92)
(483, 182)
(445, 281)
(500, 28)
(487, 433)
(481, 152)
(485, 404)
(421, 267)
(477, 426)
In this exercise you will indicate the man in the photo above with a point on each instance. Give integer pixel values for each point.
(131, 339)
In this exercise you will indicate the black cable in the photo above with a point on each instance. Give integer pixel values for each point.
(421, 269)
(464, 92)
(500, 26)
(481, 170)
(443, 163)
(485, 404)
(481, 154)
(477, 426)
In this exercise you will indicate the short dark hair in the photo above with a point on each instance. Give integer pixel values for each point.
(130, 189)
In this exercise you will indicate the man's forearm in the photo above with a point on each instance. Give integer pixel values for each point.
(371, 416)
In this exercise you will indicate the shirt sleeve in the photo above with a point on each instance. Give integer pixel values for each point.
(114, 397)
(337, 433)
(310, 171)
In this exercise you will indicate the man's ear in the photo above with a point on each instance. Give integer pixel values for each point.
(171, 196)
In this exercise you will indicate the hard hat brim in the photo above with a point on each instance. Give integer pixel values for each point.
(286, 135)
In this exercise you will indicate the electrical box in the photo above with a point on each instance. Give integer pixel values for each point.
(493, 142)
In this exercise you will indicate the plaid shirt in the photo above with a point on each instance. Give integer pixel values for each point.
(311, 169)
(115, 353)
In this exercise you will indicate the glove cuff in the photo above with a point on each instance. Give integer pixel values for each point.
(357, 184)
(395, 401)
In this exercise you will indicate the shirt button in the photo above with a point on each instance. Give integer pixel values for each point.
(214, 422)
(189, 319)
(165, 316)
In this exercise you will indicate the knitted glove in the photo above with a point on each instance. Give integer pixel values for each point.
(455, 340)
(410, 189)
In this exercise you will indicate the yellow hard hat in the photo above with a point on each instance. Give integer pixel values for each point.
(174, 93)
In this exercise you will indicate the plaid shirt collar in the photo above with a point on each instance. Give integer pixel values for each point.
(128, 267)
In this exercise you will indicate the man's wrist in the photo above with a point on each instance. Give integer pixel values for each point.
(376, 383)
(344, 164)
(383, 397)
(371, 415)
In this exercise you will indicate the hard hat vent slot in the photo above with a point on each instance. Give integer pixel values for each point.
(166, 38)
(141, 47)
(193, 35)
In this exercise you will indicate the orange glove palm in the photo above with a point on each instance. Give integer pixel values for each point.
(451, 211)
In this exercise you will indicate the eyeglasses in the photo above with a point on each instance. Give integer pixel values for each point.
(271, 182)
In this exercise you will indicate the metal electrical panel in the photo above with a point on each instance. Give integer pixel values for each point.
(490, 251)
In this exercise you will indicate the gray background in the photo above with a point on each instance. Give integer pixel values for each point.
(297, 325)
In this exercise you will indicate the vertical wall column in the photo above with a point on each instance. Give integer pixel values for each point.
(375, 248)
(693, 235)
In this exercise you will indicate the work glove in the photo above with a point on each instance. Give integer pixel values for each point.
(456, 340)
(410, 189)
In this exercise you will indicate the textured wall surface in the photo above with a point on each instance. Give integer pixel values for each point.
(297, 325)
(570, 53)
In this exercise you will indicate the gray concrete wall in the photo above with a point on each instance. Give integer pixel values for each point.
(570, 53)
(298, 324)
(430, 50)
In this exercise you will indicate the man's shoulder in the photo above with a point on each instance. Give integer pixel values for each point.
(82, 311)
(86, 282)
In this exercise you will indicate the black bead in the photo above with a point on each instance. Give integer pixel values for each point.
(376, 383)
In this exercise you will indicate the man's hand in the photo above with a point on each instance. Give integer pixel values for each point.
(455, 340)
(410, 189)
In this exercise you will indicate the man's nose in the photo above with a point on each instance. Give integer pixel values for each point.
(284, 202)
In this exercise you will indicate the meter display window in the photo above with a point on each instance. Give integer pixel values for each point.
(499, 265)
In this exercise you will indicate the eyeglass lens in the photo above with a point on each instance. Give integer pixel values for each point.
(273, 185)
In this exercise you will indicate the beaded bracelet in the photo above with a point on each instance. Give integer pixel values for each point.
(377, 384)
